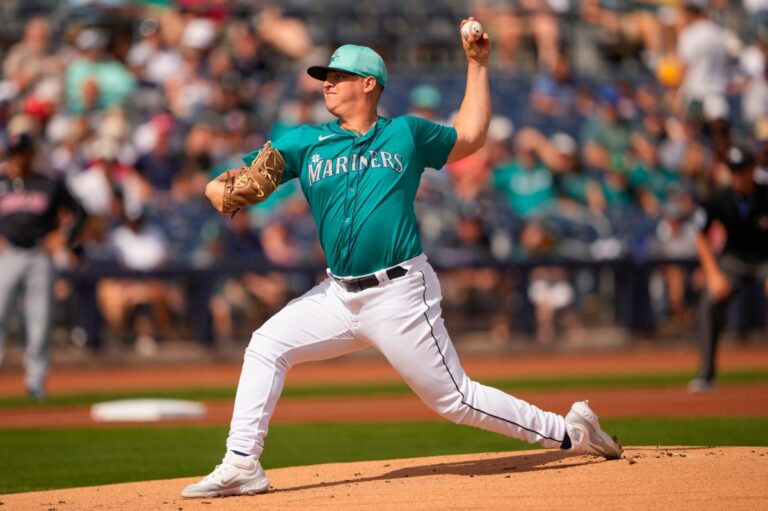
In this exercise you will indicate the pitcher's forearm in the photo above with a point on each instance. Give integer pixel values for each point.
(475, 112)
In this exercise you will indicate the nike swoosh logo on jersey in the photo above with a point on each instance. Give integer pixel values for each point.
(323, 137)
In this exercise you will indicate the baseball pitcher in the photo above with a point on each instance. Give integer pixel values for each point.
(360, 174)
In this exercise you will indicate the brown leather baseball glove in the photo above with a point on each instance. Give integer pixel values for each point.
(252, 184)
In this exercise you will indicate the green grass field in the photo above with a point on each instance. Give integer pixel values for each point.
(50, 458)
(396, 388)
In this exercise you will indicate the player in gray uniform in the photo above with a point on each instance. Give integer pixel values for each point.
(30, 203)
(360, 174)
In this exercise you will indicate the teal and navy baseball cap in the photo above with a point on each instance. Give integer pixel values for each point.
(358, 60)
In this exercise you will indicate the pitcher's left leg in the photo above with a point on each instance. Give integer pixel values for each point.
(404, 322)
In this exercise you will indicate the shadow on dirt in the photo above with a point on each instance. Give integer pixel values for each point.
(527, 462)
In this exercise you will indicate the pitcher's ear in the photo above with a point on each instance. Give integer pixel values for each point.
(369, 83)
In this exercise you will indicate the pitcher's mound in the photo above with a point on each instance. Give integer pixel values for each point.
(646, 478)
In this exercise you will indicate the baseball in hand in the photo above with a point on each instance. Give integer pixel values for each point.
(472, 30)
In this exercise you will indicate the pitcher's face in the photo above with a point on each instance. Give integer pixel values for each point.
(342, 91)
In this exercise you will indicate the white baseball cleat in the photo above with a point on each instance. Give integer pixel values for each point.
(587, 437)
(236, 475)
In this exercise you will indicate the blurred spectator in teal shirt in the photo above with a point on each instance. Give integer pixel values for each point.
(606, 134)
(526, 183)
(653, 183)
(93, 80)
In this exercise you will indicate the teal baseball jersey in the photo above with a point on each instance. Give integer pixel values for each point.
(361, 189)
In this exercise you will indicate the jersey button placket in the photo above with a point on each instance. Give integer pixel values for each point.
(349, 197)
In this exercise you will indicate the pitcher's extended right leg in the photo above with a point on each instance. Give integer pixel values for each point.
(405, 323)
(407, 326)
(312, 327)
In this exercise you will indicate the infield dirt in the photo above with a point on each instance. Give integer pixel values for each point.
(645, 478)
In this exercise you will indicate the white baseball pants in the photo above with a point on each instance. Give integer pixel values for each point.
(402, 319)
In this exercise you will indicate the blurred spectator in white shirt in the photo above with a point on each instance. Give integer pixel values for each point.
(702, 48)
(754, 102)
(151, 59)
(28, 59)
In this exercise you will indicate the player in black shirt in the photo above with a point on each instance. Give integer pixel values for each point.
(30, 203)
(742, 209)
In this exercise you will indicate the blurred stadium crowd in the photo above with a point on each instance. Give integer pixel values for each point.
(611, 121)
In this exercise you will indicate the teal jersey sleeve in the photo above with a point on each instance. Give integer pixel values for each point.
(433, 141)
(290, 147)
